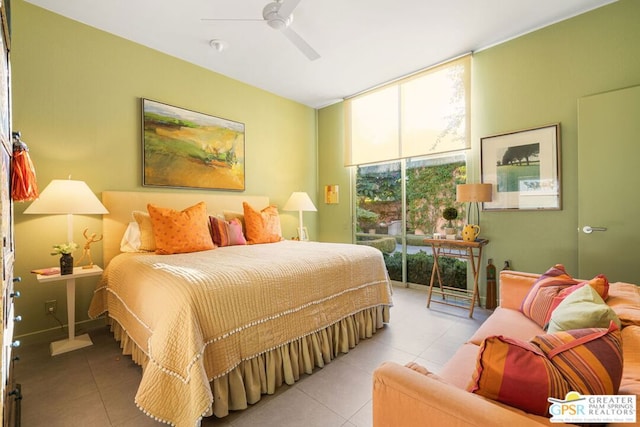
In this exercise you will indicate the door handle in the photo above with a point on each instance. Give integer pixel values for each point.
(588, 229)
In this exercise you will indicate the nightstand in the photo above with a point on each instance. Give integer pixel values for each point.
(73, 342)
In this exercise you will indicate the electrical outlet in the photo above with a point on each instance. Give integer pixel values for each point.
(51, 307)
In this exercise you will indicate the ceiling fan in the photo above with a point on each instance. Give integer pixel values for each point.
(279, 15)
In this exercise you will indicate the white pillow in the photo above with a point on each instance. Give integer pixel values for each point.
(131, 239)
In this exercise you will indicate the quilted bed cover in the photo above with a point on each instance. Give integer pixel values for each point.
(198, 316)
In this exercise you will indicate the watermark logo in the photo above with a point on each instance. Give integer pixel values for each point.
(576, 408)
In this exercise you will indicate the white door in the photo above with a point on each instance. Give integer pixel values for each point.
(609, 185)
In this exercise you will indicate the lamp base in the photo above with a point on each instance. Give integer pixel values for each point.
(67, 345)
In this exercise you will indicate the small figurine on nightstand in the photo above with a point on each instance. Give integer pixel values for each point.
(86, 251)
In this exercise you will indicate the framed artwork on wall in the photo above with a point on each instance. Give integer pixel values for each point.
(524, 168)
(332, 194)
(187, 149)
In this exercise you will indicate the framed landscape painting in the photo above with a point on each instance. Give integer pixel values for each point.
(184, 148)
(524, 168)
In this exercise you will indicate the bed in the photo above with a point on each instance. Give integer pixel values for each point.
(214, 330)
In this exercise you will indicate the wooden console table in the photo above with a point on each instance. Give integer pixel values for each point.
(471, 251)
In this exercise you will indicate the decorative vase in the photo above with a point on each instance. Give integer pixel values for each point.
(470, 232)
(66, 264)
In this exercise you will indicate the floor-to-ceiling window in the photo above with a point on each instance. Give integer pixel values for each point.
(406, 142)
(400, 203)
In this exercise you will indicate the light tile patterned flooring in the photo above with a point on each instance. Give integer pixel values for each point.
(95, 386)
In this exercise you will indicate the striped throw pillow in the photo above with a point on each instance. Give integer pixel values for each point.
(518, 374)
(539, 301)
(226, 233)
(589, 359)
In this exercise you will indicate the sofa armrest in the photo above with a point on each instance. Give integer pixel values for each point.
(405, 397)
(514, 287)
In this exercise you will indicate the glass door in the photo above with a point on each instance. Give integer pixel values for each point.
(400, 203)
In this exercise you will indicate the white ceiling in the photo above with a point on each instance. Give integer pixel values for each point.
(361, 43)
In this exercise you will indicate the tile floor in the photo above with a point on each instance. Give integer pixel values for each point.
(95, 386)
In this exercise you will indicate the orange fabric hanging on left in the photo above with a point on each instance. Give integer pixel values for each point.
(24, 186)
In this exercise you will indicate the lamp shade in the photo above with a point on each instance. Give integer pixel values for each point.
(65, 196)
(473, 193)
(299, 201)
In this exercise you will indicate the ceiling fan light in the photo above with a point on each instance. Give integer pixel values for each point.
(277, 23)
(274, 19)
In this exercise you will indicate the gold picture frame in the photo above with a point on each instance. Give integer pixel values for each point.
(332, 194)
(188, 149)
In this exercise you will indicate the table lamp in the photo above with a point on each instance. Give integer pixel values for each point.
(67, 197)
(300, 201)
(473, 194)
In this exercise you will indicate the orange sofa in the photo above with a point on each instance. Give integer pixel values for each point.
(406, 396)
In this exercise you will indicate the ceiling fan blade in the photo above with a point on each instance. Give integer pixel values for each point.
(287, 7)
(232, 19)
(301, 44)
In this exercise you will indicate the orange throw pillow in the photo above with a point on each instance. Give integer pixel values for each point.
(263, 226)
(183, 231)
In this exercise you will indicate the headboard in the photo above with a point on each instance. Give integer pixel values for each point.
(120, 204)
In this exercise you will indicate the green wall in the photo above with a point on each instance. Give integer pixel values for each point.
(527, 82)
(535, 80)
(76, 99)
(334, 221)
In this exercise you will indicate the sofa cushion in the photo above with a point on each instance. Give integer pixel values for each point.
(624, 299)
(459, 370)
(514, 287)
(537, 304)
(589, 359)
(630, 383)
(517, 373)
(582, 308)
(510, 323)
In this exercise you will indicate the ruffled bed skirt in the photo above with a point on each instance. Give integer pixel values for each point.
(264, 373)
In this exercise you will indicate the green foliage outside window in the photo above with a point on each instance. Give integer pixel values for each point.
(419, 266)
(431, 188)
(379, 186)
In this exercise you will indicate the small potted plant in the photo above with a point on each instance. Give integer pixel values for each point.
(367, 220)
(66, 260)
(450, 213)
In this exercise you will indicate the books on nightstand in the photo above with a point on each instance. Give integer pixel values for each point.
(47, 271)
